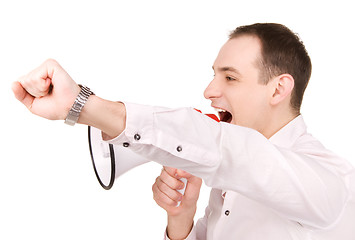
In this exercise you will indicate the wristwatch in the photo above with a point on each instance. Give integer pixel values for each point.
(78, 105)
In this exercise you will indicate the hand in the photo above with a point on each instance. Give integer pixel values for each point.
(180, 219)
(47, 91)
(166, 195)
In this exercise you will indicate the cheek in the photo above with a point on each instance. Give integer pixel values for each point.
(246, 99)
(249, 105)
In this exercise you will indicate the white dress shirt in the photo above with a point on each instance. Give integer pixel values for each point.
(285, 187)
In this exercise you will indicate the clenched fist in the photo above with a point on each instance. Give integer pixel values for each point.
(47, 91)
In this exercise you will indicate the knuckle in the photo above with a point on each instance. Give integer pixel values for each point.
(164, 177)
(170, 171)
(161, 188)
(171, 203)
(51, 61)
(42, 90)
(176, 197)
(163, 172)
(158, 181)
(155, 188)
(176, 184)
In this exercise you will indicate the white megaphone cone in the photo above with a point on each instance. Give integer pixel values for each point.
(110, 161)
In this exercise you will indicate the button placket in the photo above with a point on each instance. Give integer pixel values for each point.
(228, 203)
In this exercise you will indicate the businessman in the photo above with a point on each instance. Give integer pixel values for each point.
(270, 178)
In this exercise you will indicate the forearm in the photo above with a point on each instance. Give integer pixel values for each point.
(108, 116)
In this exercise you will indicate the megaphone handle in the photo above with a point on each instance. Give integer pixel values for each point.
(182, 191)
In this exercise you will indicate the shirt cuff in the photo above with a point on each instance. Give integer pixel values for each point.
(130, 134)
(191, 236)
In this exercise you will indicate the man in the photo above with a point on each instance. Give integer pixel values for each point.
(261, 74)
(270, 178)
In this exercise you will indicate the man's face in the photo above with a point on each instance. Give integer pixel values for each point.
(235, 87)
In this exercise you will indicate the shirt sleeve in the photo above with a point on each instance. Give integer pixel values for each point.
(191, 236)
(303, 185)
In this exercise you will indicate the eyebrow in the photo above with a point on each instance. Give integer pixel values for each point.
(226, 69)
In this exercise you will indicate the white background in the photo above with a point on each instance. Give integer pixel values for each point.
(152, 52)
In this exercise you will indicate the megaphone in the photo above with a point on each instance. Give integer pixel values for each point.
(111, 161)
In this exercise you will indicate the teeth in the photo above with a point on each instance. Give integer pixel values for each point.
(220, 110)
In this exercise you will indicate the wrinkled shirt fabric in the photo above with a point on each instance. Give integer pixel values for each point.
(286, 187)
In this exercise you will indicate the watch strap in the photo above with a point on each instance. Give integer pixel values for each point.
(78, 105)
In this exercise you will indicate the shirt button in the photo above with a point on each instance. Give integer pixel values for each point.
(126, 144)
(179, 149)
(227, 212)
(137, 137)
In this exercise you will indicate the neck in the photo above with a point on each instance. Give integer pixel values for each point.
(276, 122)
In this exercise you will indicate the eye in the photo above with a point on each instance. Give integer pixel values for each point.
(230, 78)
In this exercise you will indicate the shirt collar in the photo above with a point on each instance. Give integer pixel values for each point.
(288, 135)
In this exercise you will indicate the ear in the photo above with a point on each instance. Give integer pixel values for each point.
(282, 88)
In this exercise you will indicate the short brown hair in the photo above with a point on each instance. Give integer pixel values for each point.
(282, 52)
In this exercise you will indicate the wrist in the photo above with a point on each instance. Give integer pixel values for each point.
(108, 116)
(79, 102)
(179, 234)
(179, 226)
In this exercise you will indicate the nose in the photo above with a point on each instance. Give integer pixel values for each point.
(213, 90)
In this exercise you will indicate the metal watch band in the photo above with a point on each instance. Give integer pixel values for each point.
(78, 105)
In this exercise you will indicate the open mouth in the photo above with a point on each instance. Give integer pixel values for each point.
(224, 115)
